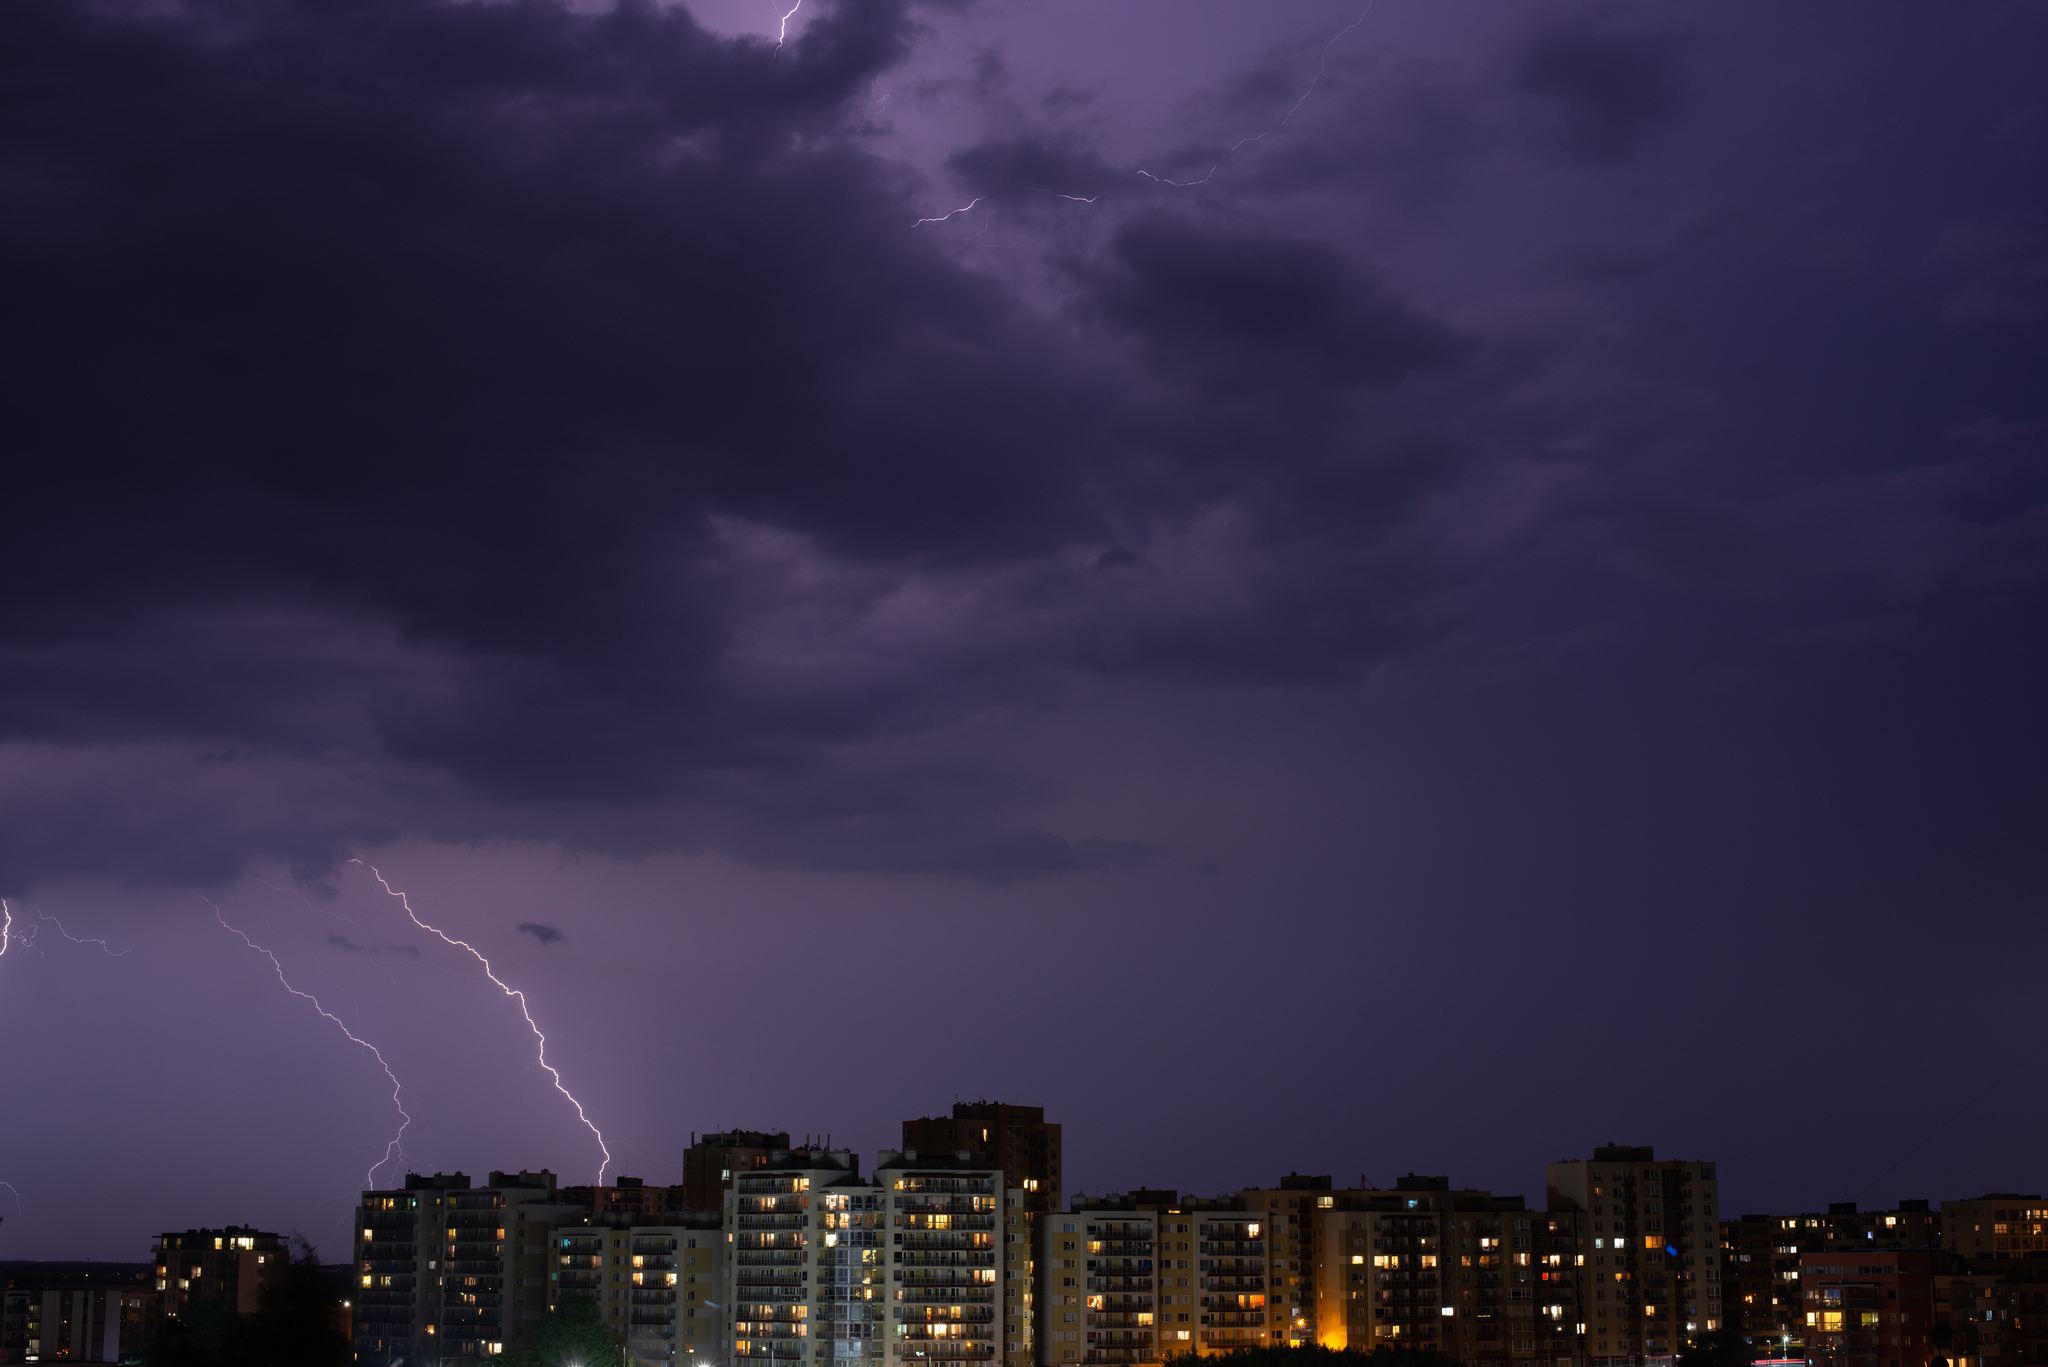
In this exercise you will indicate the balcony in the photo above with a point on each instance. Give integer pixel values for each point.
(960, 1350)
(1233, 1283)
(942, 1276)
(936, 1314)
(937, 1257)
(944, 1238)
(776, 1221)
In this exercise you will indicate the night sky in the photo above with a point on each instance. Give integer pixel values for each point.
(1421, 590)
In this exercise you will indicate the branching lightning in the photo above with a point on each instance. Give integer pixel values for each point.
(943, 217)
(396, 1147)
(51, 920)
(1321, 66)
(514, 993)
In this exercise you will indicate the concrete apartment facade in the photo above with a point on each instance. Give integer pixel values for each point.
(76, 1323)
(828, 1267)
(226, 1268)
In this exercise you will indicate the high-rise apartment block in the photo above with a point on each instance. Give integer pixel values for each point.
(1145, 1275)
(74, 1320)
(228, 1269)
(2002, 1225)
(1760, 1259)
(1654, 1260)
(712, 1159)
(1017, 1139)
(827, 1266)
(1869, 1308)
(449, 1270)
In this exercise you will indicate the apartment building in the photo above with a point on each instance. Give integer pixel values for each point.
(1760, 1280)
(227, 1269)
(1020, 1278)
(52, 1320)
(712, 1159)
(656, 1285)
(630, 1198)
(1017, 1139)
(1148, 1274)
(902, 1268)
(1651, 1236)
(450, 1271)
(1465, 1272)
(1996, 1311)
(1869, 1308)
(1998, 1226)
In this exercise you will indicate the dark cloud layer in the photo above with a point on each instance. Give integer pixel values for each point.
(498, 421)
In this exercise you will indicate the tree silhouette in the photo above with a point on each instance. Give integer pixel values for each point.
(573, 1335)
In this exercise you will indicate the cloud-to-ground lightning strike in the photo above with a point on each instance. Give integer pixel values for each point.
(943, 217)
(782, 34)
(1321, 67)
(397, 1146)
(516, 995)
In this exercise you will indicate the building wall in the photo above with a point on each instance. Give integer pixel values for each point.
(1019, 1278)
(1017, 1139)
(76, 1323)
(230, 1268)
(447, 1270)
(1996, 1318)
(1868, 1309)
(711, 1161)
(1655, 1257)
(2001, 1225)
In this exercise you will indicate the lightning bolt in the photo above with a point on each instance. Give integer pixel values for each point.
(112, 953)
(396, 1146)
(781, 37)
(514, 993)
(1314, 81)
(7, 938)
(943, 217)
